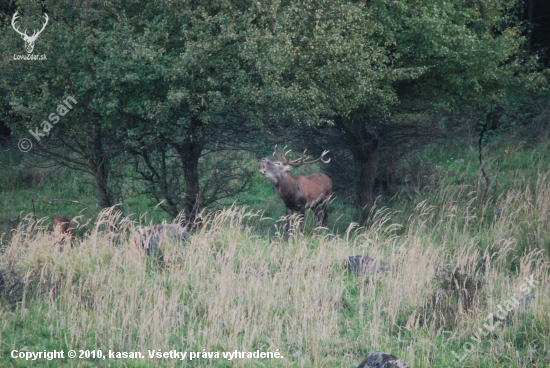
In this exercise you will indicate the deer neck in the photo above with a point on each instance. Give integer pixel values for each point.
(286, 184)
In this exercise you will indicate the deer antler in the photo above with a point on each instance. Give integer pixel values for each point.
(275, 155)
(300, 161)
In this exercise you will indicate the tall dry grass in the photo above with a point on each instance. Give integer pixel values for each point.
(230, 289)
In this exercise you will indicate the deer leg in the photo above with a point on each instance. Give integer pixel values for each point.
(324, 215)
(302, 218)
(319, 212)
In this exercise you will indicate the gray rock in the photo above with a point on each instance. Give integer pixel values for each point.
(365, 265)
(151, 237)
(523, 306)
(379, 359)
(525, 300)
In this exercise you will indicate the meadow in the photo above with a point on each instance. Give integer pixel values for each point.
(458, 247)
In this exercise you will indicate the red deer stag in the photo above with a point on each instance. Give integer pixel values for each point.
(63, 230)
(299, 192)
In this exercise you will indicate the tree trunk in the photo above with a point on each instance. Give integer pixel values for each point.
(101, 184)
(364, 148)
(190, 151)
(366, 165)
(101, 172)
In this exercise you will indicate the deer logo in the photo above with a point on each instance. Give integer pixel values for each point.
(29, 40)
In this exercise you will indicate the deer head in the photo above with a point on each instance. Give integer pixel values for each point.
(29, 40)
(273, 170)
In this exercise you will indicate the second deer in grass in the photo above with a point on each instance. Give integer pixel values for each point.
(63, 230)
(299, 192)
(151, 237)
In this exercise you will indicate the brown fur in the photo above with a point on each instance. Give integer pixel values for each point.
(299, 192)
(63, 229)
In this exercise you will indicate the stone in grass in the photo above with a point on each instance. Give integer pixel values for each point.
(379, 359)
(525, 301)
(151, 237)
(523, 306)
(365, 265)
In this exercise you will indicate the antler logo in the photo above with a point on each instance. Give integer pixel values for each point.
(29, 40)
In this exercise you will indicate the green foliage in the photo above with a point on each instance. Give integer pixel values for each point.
(195, 78)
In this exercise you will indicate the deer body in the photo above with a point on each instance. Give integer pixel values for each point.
(299, 192)
(302, 192)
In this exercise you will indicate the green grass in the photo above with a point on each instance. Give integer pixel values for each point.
(238, 286)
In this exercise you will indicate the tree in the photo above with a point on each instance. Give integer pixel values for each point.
(205, 103)
(160, 84)
(371, 71)
(57, 103)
